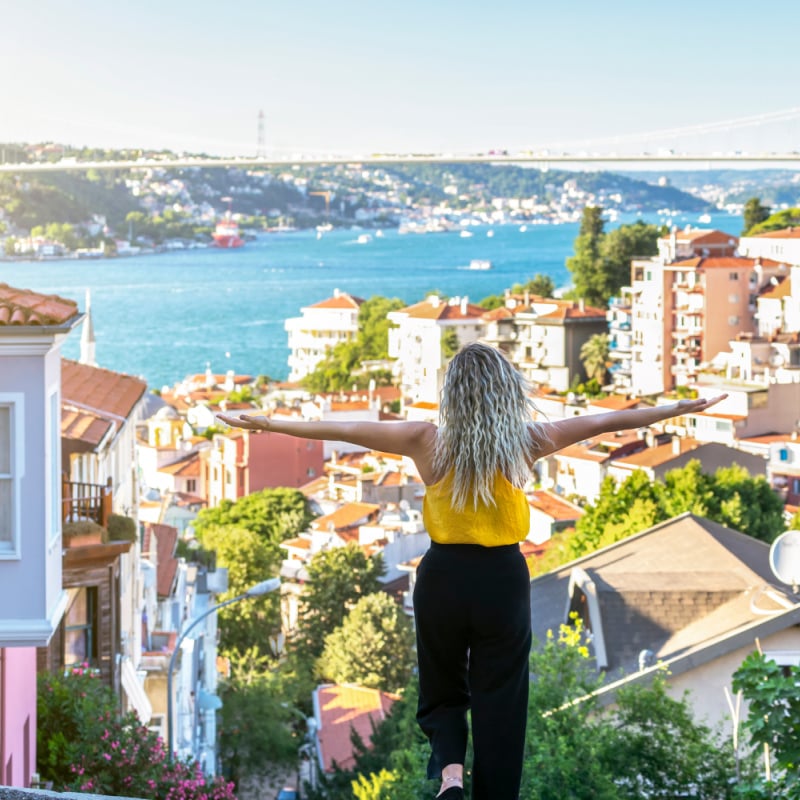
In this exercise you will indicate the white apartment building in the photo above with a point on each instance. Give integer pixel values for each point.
(781, 246)
(417, 342)
(321, 327)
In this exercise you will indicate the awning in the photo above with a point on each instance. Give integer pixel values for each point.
(135, 693)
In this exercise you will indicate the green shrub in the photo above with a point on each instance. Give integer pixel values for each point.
(121, 528)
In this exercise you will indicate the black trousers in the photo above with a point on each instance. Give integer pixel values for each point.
(473, 618)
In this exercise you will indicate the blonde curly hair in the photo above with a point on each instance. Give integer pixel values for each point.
(486, 425)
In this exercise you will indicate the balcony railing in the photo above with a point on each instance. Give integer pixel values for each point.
(85, 501)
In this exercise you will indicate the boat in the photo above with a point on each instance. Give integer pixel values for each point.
(480, 263)
(490, 233)
(704, 219)
(465, 234)
(523, 228)
(226, 234)
(364, 238)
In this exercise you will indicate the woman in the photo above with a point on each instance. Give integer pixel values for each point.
(472, 595)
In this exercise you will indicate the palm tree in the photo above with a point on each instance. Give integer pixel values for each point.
(594, 355)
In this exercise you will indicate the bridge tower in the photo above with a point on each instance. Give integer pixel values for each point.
(261, 150)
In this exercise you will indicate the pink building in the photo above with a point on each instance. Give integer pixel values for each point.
(32, 329)
(242, 462)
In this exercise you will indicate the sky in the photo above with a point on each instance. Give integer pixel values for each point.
(348, 77)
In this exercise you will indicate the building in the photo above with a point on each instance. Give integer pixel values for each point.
(688, 595)
(32, 329)
(543, 337)
(423, 335)
(321, 327)
(340, 712)
(242, 462)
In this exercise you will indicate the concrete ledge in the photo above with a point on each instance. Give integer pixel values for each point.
(9, 793)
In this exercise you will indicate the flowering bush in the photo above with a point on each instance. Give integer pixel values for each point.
(84, 745)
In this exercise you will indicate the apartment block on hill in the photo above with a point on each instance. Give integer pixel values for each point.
(417, 342)
(543, 337)
(321, 327)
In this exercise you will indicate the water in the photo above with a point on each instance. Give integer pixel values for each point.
(166, 316)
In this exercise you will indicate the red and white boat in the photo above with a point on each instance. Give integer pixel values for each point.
(226, 234)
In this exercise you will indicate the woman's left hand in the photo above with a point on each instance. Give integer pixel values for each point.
(245, 421)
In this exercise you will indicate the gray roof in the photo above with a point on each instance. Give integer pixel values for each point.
(672, 589)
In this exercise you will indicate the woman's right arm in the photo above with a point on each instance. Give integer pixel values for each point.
(412, 439)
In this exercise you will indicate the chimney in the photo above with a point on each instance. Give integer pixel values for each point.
(336, 293)
(209, 376)
(229, 384)
(87, 335)
(582, 304)
(464, 301)
(527, 298)
(676, 445)
(434, 300)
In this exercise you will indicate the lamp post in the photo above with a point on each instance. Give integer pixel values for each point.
(254, 591)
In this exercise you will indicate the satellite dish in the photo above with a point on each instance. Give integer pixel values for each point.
(784, 558)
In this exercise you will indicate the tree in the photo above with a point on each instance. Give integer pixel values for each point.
(274, 514)
(84, 745)
(450, 343)
(373, 647)
(342, 367)
(337, 579)
(773, 722)
(256, 726)
(754, 214)
(730, 496)
(249, 559)
(601, 265)
(594, 355)
(780, 220)
(619, 247)
(586, 265)
(649, 746)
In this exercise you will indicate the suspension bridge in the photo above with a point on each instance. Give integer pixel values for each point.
(748, 141)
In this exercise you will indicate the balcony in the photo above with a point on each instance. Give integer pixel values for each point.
(85, 501)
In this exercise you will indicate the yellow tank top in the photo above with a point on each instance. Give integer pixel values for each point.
(506, 523)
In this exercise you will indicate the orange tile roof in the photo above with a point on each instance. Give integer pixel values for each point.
(166, 539)
(350, 405)
(100, 390)
(554, 506)
(716, 262)
(346, 516)
(83, 425)
(186, 467)
(792, 232)
(696, 235)
(298, 542)
(424, 405)
(343, 709)
(24, 307)
(340, 300)
(614, 402)
(655, 456)
(783, 289)
(442, 310)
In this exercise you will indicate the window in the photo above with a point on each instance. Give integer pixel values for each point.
(6, 480)
(733, 320)
(733, 276)
(80, 627)
(191, 485)
(11, 469)
(733, 298)
(55, 466)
